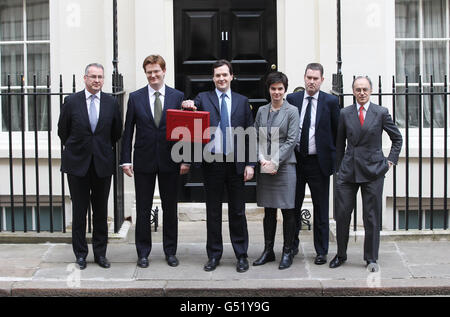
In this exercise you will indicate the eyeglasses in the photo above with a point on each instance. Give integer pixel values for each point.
(358, 90)
(94, 77)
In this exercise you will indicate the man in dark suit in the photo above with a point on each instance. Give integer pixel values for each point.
(89, 125)
(146, 112)
(227, 110)
(361, 164)
(315, 153)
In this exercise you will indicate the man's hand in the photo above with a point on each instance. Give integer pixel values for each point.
(248, 173)
(128, 169)
(188, 105)
(184, 169)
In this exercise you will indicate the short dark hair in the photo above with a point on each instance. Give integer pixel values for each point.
(315, 66)
(276, 77)
(222, 62)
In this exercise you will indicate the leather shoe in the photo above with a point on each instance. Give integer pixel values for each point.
(103, 262)
(242, 265)
(266, 256)
(211, 264)
(286, 259)
(81, 263)
(320, 259)
(372, 266)
(337, 261)
(142, 262)
(172, 260)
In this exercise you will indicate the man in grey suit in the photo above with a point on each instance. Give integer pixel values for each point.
(361, 164)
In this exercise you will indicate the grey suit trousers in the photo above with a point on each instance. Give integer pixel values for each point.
(372, 206)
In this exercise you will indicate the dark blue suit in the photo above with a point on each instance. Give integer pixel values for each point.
(315, 170)
(218, 175)
(88, 160)
(152, 157)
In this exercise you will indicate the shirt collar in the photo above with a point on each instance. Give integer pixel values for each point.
(151, 91)
(219, 93)
(315, 96)
(88, 94)
(366, 106)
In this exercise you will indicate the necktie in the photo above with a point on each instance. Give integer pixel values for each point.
(158, 108)
(361, 115)
(224, 124)
(304, 138)
(93, 119)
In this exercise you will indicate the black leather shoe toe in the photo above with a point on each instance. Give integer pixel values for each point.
(103, 262)
(242, 265)
(142, 262)
(337, 261)
(172, 260)
(211, 264)
(81, 263)
(320, 259)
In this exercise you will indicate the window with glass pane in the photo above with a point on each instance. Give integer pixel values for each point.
(422, 48)
(24, 61)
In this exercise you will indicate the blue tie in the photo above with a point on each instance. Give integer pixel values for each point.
(224, 124)
(304, 138)
(93, 114)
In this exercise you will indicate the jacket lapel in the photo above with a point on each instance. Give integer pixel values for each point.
(281, 115)
(84, 111)
(319, 108)
(368, 120)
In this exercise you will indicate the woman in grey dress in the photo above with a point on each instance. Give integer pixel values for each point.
(277, 127)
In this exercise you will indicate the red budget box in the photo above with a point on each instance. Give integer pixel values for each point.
(190, 126)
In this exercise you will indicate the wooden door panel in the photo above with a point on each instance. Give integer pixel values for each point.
(200, 40)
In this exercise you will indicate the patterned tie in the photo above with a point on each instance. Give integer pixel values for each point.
(158, 108)
(361, 115)
(224, 124)
(304, 138)
(93, 119)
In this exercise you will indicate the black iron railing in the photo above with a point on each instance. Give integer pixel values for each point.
(18, 203)
(421, 112)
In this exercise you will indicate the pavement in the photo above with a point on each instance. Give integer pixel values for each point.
(414, 267)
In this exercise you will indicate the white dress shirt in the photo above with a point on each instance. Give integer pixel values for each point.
(366, 107)
(312, 128)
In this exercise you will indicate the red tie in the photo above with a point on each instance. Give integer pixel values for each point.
(361, 115)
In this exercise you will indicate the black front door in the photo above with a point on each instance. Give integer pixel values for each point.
(241, 31)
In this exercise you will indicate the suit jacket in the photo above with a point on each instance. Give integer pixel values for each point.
(81, 145)
(327, 119)
(362, 160)
(151, 149)
(286, 122)
(241, 116)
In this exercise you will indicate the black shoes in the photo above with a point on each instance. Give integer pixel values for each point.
(142, 262)
(372, 266)
(286, 259)
(267, 256)
(242, 265)
(81, 263)
(337, 261)
(211, 264)
(103, 262)
(320, 259)
(172, 260)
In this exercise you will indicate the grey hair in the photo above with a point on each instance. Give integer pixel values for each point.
(93, 65)
(359, 77)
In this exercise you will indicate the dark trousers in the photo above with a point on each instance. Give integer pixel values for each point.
(270, 225)
(84, 190)
(308, 172)
(371, 193)
(217, 177)
(168, 191)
